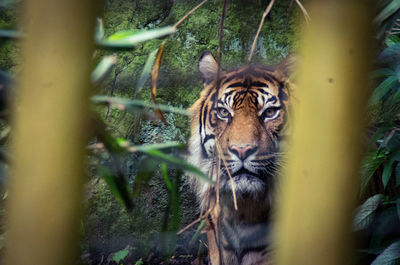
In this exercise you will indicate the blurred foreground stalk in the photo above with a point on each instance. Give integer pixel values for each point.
(321, 180)
(50, 133)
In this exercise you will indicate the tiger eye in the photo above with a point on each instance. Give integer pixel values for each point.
(223, 113)
(270, 112)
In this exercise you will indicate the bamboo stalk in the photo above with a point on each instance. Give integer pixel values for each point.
(320, 183)
(50, 134)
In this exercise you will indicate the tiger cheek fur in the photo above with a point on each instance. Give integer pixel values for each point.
(245, 115)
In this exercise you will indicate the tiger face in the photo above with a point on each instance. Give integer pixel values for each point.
(238, 125)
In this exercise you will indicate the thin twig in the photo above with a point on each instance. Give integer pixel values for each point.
(221, 154)
(305, 13)
(189, 13)
(266, 12)
(195, 221)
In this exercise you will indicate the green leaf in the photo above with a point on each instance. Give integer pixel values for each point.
(370, 164)
(394, 142)
(381, 73)
(397, 174)
(389, 10)
(132, 105)
(146, 72)
(180, 163)
(387, 172)
(391, 40)
(120, 255)
(99, 31)
(150, 147)
(383, 89)
(10, 34)
(118, 187)
(398, 207)
(103, 68)
(365, 213)
(390, 256)
(198, 231)
(397, 70)
(128, 39)
(164, 171)
(390, 54)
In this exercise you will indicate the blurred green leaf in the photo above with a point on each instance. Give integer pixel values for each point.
(99, 31)
(5, 3)
(397, 70)
(398, 207)
(146, 71)
(383, 89)
(389, 10)
(365, 213)
(132, 105)
(390, 54)
(10, 34)
(117, 184)
(128, 39)
(391, 40)
(164, 171)
(390, 256)
(150, 147)
(180, 163)
(383, 226)
(397, 174)
(387, 172)
(381, 73)
(120, 255)
(394, 142)
(103, 68)
(370, 164)
(198, 231)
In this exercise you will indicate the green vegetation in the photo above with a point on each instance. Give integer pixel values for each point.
(134, 179)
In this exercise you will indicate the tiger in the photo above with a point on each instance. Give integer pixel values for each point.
(237, 128)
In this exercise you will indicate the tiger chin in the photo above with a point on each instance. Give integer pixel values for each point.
(237, 127)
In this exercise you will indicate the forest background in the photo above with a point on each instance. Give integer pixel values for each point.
(110, 233)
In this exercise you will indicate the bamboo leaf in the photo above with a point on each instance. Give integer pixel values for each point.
(120, 255)
(10, 34)
(103, 68)
(383, 89)
(387, 172)
(389, 10)
(146, 71)
(149, 147)
(370, 164)
(390, 54)
(99, 31)
(164, 171)
(128, 39)
(180, 163)
(397, 174)
(119, 189)
(365, 213)
(390, 256)
(383, 72)
(132, 105)
(198, 231)
(154, 79)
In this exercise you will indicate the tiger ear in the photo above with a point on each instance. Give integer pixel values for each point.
(286, 67)
(208, 66)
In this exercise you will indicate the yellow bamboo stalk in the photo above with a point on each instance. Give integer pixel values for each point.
(50, 134)
(321, 180)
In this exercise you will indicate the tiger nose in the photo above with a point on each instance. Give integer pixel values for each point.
(242, 152)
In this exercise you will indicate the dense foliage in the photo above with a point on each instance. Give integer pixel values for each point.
(137, 195)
